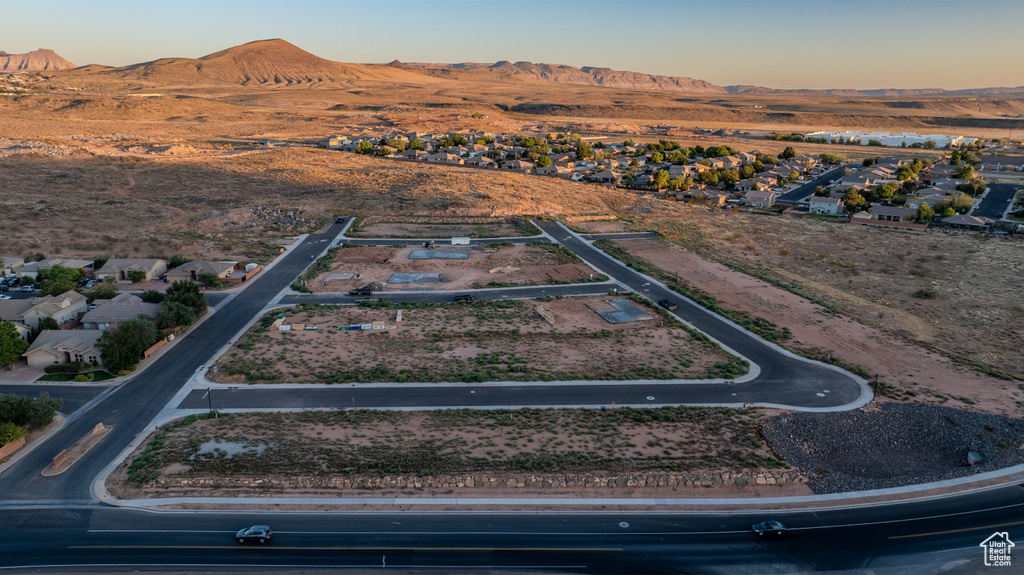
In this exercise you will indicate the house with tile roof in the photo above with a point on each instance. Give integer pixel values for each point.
(119, 270)
(54, 346)
(113, 311)
(192, 271)
(63, 309)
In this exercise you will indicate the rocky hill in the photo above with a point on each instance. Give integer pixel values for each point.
(34, 61)
(262, 63)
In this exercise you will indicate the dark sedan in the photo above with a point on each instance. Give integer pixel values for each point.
(769, 527)
(256, 533)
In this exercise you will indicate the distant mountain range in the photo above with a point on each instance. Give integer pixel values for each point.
(274, 63)
(35, 61)
(639, 81)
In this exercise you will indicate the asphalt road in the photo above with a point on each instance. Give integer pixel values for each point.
(135, 403)
(923, 537)
(74, 396)
(796, 194)
(996, 201)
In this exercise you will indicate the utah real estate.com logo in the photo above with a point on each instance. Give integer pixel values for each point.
(997, 549)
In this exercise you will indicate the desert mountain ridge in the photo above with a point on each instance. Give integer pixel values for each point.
(39, 60)
(595, 76)
(278, 63)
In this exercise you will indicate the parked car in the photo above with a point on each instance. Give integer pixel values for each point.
(3, 287)
(26, 289)
(339, 221)
(5, 297)
(90, 283)
(667, 304)
(464, 297)
(360, 291)
(769, 527)
(260, 533)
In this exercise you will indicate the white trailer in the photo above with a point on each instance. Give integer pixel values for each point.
(460, 241)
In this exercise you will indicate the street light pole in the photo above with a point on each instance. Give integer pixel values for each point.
(209, 398)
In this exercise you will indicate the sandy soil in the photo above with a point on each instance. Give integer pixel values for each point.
(898, 361)
(537, 266)
(601, 227)
(482, 341)
(483, 229)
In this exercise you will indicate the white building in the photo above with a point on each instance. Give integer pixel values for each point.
(895, 140)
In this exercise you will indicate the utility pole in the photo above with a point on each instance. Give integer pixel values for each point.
(209, 398)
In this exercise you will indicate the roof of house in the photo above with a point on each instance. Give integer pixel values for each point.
(966, 220)
(122, 307)
(15, 309)
(821, 200)
(202, 267)
(892, 211)
(761, 194)
(47, 264)
(55, 340)
(115, 265)
(11, 262)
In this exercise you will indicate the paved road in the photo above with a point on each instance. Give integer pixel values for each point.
(621, 236)
(925, 537)
(995, 202)
(74, 396)
(134, 404)
(432, 296)
(796, 194)
(440, 242)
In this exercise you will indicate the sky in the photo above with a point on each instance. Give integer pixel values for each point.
(789, 44)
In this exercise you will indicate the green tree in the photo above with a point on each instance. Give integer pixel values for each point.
(729, 177)
(122, 345)
(657, 157)
(47, 323)
(136, 276)
(61, 273)
(677, 157)
(948, 212)
(924, 213)
(210, 280)
(709, 177)
(39, 256)
(175, 314)
(415, 145)
(364, 147)
(11, 345)
(543, 162)
(22, 411)
(105, 290)
(177, 260)
(965, 172)
(660, 179)
(584, 151)
(747, 171)
(188, 293)
(152, 296)
(788, 153)
(852, 199)
(57, 287)
(886, 191)
(99, 263)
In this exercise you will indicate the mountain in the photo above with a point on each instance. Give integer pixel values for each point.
(587, 75)
(37, 60)
(261, 63)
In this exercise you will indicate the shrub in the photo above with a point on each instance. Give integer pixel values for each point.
(11, 432)
(926, 293)
(123, 372)
(81, 378)
(72, 367)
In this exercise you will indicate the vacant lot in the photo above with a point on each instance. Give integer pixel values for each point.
(472, 342)
(485, 266)
(871, 275)
(375, 443)
(418, 227)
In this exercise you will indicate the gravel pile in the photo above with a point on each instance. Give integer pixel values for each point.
(898, 444)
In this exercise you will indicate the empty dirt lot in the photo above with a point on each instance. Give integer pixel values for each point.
(470, 342)
(514, 264)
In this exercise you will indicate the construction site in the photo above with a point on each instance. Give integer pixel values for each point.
(424, 266)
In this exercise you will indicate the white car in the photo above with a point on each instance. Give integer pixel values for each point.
(5, 296)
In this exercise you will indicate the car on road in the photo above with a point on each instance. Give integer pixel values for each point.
(465, 297)
(667, 304)
(339, 220)
(256, 533)
(25, 289)
(769, 527)
(5, 297)
(360, 291)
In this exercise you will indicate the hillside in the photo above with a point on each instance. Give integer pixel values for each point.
(268, 63)
(34, 61)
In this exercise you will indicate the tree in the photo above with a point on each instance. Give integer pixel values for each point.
(415, 145)
(210, 280)
(852, 199)
(657, 157)
(177, 260)
(965, 172)
(103, 290)
(788, 153)
(122, 346)
(709, 177)
(47, 323)
(21, 410)
(152, 296)
(543, 162)
(188, 293)
(676, 157)
(747, 171)
(924, 213)
(175, 314)
(11, 344)
(832, 158)
(364, 147)
(136, 276)
(885, 191)
(660, 179)
(99, 263)
(729, 177)
(794, 175)
(57, 287)
(948, 212)
(584, 151)
(39, 256)
(61, 273)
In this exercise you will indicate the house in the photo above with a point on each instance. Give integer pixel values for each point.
(63, 309)
(122, 307)
(892, 214)
(10, 265)
(966, 222)
(120, 270)
(479, 161)
(760, 198)
(554, 170)
(58, 346)
(607, 176)
(828, 206)
(32, 269)
(996, 163)
(517, 166)
(412, 155)
(445, 158)
(746, 157)
(192, 271)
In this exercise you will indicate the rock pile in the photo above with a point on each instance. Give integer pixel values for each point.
(896, 445)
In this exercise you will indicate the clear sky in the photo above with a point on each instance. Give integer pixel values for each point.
(776, 43)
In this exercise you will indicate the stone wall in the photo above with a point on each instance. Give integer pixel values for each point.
(9, 448)
(724, 478)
